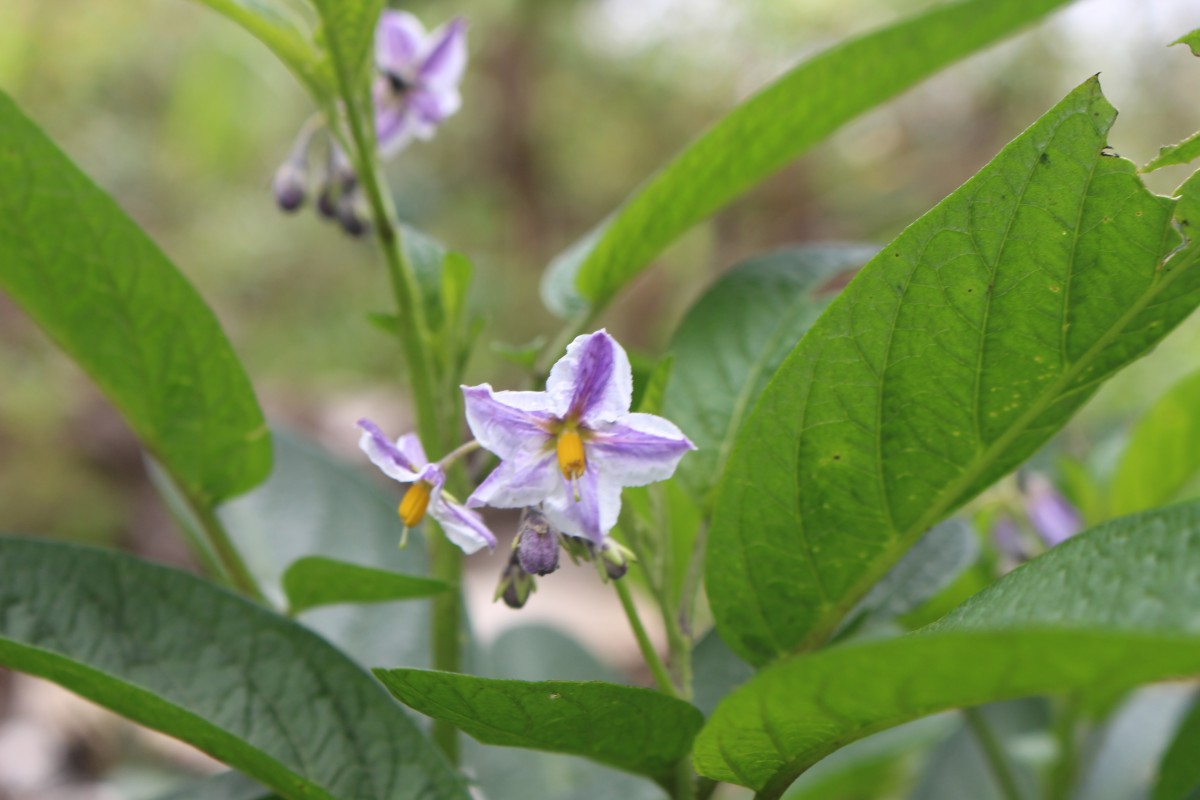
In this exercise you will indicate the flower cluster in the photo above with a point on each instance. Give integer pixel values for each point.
(565, 454)
(415, 89)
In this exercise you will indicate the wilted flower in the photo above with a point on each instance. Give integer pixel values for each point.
(417, 87)
(1052, 516)
(574, 446)
(515, 584)
(405, 462)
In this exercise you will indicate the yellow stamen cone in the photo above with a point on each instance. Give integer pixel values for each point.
(570, 455)
(416, 500)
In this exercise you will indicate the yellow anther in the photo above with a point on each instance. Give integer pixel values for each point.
(416, 500)
(570, 455)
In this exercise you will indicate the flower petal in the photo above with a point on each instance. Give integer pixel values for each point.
(433, 107)
(508, 423)
(404, 461)
(519, 481)
(446, 59)
(395, 125)
(461, 525)
(1053, 517)
(399, 42)
(637, 450)
(593, 382)
(593, 515)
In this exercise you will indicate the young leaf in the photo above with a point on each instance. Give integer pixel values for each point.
(639, 730)
(1180, 153)
(735, 337)
(318, 581)
(1192, 40)
(109, 297)
(1179, 770)
(768, 130)
(1163, 454)
(272, 25)
(177, 654)
(951, 357)
(1106, 610)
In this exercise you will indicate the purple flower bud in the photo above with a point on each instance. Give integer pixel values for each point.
(327, 202)
(1052, 516)
(290, 185)
(1007, 537)
(537, 543)
(615, 559)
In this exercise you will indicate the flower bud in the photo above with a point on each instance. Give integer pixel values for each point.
(515, 584)
(290, 185)
(615, 559)
(537, 543)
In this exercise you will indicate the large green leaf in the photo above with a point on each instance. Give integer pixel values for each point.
(1179, 770)
(768, 130)
(1108, 609)
(951, 357)
(1163, 454)
(735, 337)
(109, 297)
(276, 26)
(180, 655)
(634, 729)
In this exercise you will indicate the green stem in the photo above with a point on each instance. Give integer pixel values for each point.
(226, 554)
(685, 780)
(661, 676)
(993, 753)
(447, 607)
(1062, 777)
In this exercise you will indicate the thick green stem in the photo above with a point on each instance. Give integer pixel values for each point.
(447, 608)
(1062, 777)
(661, 676)
(993, 753)
(226, 554)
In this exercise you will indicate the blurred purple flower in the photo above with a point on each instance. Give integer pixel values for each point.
(574, 446)
(1007, 537)
(1052, 516)
(405, 462)
(419, 73)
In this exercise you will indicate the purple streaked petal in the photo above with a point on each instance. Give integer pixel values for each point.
(461, 525)
(519, 481)
(593, 515)
(394, 127)
(443, 65)
(396, 461)
(1052, 516)
(508, 423)
(593, 382)
(638, 450)
(434, 107)
(399, 41)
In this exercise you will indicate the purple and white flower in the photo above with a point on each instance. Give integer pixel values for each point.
(419, 73)
(574, 446)
(1052, 516)
(405, 461)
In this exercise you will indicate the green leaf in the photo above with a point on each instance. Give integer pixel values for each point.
(177, 654)
(109, 297)
(348, 30)
(1171, 154)
(274, 25)
(951, 357)
(734, 338)
(318, 581)
(639, 730)
(313, 505)
(1179, 770)
(223, 786)
(1163, 453)
(1192, 40)
(1106, 610)
(768, 130)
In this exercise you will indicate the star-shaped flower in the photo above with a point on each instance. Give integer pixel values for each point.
(405, 462)
(417, 86)
(574, 446)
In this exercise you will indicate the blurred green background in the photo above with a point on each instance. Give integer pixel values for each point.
(568, 105)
